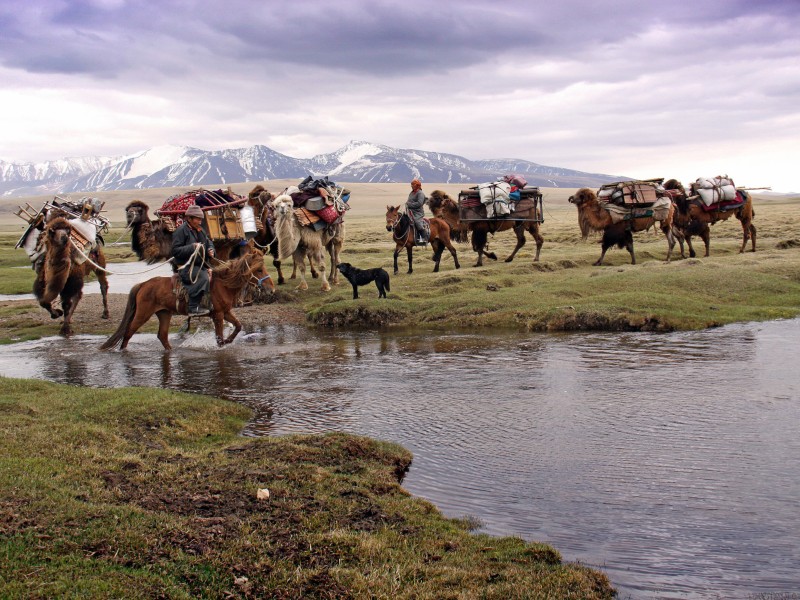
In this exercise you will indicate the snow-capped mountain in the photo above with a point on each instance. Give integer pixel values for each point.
(358, 161)
(46, 177)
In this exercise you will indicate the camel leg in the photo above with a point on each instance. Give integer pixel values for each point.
(478, 244)
(319, 258)
(629, 246)
(219, 324)
(68, 305)
(705, 235)
(749, 233)
(299, 258)
(164, 318)
(670, 242)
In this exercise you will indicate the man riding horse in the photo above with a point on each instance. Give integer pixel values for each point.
(415, 206)
(192, 249)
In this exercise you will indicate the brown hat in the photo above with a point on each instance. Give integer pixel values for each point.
(194, 211)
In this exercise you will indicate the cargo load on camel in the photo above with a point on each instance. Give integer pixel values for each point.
(717, 193)
(319, 203)
(501, 200)
(83, 216)
(628, 200)
(228, 217)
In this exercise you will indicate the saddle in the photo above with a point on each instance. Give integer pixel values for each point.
(182, 296)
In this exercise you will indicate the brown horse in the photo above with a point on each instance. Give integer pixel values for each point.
(156, 296)
(60, 274)
(442, 205)
(593, 217)
(691, 218)
(403, 235)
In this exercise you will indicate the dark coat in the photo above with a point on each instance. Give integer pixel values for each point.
(183, 241)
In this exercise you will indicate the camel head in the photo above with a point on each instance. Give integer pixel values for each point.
(436, 200)
(582, 199)
(136, 213)
(58, 231)
(283, 205)
(392, 216)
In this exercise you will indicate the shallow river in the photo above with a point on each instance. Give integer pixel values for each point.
(670, 461)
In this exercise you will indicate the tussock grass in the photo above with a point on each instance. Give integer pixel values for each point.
(151, 493)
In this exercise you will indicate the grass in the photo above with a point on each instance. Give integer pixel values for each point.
(151, 493)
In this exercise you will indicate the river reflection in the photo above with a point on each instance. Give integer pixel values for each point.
(670, 461)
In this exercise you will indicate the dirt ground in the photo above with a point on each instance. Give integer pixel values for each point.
(86, 319)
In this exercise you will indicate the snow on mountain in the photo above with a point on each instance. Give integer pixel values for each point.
(358, 161)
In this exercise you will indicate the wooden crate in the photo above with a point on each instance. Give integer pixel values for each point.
(224, 224)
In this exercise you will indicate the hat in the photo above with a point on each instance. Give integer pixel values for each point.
(194, 211)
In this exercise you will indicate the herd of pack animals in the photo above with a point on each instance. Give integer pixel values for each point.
(281, 236)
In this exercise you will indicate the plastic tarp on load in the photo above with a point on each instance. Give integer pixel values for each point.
(494, 190)
(715, 189)
(658, 211)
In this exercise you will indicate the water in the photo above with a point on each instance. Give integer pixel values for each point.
(122, 278)
(669, 461)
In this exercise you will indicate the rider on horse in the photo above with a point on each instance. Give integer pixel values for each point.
(415, 206)
(191, 249)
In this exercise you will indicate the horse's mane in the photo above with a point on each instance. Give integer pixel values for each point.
(236, 272)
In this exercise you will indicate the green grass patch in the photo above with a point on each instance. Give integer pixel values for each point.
(103, 492)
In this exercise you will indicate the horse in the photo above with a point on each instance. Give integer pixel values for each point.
(403, 235)
(60, 274)
(444, 206)
(156, 296)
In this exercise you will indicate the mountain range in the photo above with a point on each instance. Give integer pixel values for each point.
(358, 161)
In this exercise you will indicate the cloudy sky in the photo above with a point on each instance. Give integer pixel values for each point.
(642, 88)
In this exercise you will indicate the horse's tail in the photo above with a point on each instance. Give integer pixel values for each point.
(127, 317)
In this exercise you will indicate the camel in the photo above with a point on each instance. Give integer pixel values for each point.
(444, 207)
(593, 217)
(151, 240)
(60, 274)
(298, 241)
(333, 236)
(692, 219)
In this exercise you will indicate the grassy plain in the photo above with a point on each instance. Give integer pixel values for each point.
(561, 292)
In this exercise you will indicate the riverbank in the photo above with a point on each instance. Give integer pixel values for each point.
(107, 491)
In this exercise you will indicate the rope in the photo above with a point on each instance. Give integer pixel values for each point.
(192, 259)
(99, 268)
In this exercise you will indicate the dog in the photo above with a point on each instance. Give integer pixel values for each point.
(358, 277)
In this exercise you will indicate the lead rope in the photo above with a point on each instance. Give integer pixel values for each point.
(99, 268)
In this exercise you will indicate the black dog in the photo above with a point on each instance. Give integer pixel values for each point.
(358, 277)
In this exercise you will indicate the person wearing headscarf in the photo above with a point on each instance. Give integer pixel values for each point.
(415, 207)
(188, 241)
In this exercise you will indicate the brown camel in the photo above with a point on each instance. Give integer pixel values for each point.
(693, 217)
(444, 207)
(151, 240)
(593, 217)
(525, 220)
(60, 274)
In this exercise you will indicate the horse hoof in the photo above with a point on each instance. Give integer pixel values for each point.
(56, 314)
(105, 316)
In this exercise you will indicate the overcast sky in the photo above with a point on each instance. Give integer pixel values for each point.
(634, 87)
